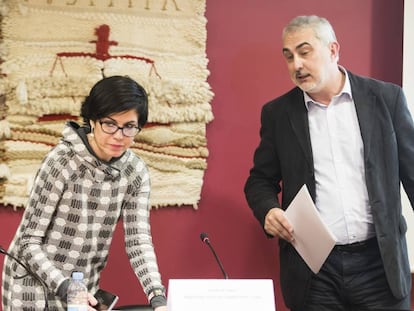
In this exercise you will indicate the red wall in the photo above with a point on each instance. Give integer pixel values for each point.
(247, 69)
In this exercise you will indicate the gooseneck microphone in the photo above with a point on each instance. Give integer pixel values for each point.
(31, 273)
(204, 238)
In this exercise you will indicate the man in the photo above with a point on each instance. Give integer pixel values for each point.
(350, 139)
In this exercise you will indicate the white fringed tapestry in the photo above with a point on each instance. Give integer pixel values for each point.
(53, 51)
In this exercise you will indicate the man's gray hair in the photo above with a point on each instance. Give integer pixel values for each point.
(320, 25)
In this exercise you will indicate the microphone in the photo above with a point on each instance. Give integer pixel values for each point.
(31, 273)
(204, 238)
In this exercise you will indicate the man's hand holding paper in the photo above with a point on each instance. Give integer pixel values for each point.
(312, 238)
(276, 224)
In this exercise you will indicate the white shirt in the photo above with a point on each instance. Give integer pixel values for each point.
(338, 155)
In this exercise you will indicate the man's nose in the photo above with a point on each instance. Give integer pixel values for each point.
(297, 63)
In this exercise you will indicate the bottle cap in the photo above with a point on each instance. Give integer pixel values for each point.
(77, 275)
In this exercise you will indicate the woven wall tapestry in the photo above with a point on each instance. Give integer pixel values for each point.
(53, 51)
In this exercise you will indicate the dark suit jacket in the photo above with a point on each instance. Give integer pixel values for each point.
(283, 162)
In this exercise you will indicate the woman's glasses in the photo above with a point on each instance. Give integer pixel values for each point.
(129, 130)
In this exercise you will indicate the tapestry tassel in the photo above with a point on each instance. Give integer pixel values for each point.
(21, 92)
(4, 171)
(4, 129)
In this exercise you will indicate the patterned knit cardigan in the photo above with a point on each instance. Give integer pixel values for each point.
(70, 219)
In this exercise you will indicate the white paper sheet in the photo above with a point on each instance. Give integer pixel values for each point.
(220, 295)
(313, 240)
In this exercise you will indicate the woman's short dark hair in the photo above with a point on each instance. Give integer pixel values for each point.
(113, 95)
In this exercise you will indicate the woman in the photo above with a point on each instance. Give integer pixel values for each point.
(86, 183)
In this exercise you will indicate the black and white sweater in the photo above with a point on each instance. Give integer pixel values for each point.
(69, 221)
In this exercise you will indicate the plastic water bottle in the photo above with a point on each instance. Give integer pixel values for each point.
(77, 293)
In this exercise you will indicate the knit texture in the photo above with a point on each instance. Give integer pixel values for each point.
(53, 52)
(70, 219)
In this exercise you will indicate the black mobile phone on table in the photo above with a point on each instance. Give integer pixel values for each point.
(106, 300)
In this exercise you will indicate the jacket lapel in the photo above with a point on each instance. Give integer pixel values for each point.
(365, 109)
(298, 118)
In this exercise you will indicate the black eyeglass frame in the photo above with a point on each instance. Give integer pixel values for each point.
(116, 128)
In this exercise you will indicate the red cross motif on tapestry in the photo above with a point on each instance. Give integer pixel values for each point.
(102, 51)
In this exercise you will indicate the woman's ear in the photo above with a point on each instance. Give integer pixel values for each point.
(92, 125)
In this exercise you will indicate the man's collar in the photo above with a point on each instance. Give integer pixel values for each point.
(346, 89)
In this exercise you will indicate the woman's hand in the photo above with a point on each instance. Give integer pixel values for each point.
(162, 308)
(93, 302)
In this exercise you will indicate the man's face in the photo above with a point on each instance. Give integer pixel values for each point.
(309, 60)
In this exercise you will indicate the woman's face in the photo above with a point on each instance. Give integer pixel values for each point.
(108, 146)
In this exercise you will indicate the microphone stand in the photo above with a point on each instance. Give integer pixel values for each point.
(205, 239)
(31, 273)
